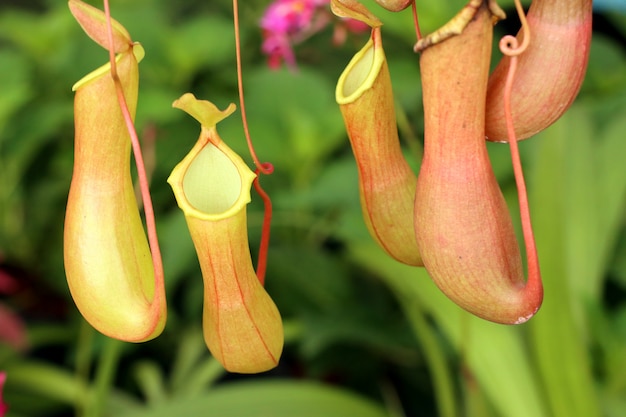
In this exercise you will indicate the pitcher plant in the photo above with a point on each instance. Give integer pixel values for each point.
(108, 263)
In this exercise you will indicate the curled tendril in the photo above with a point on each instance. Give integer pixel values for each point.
(509, 44)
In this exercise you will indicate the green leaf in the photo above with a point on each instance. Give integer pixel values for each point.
(582, 237)
(290, 283)
(611, 180)
(606, 71)
(179, 255)
(275, 398)
(39, 35)
(203, 41)
(151, 382)
(556, 339)
(17, 90)
(494, 353)
(194, 369)
(47, 380)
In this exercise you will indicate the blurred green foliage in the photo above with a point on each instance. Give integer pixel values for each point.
(366, 336)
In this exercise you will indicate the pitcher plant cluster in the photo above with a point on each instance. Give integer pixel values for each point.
(451, 218)
(114, 272)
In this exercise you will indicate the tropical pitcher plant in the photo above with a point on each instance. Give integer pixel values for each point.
(450, 218)
(114, 273)
(463, 231)
(116, 282)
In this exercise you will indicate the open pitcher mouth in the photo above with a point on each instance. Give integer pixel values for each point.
(362, 71)
(212, 182)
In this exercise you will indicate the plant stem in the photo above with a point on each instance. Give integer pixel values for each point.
(107, 366)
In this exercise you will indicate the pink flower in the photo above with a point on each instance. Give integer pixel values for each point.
(289, 17)
(290, 22)
(3, 406)
(8, 284)
(12, 328)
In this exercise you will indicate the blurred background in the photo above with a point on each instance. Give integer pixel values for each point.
(365, 336)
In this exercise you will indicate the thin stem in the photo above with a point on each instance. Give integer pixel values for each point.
(261, 168)
(534, 274)
(418, 33)
(264, 168)
(148, 138)
(513, 50)
(265, 234)
(155, 250)
(434, 355)
(105, 376)
(83, 363)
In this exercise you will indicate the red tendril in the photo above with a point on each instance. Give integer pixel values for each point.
(155, 250)
(261, 168)
(418, 33)
(265, 236)
(510, 46)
